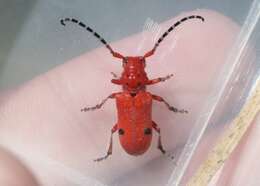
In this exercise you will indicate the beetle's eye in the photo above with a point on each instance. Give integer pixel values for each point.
(147, 131)
(124, 62)
(121, 131)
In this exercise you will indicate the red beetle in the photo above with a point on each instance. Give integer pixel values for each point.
(134, 103)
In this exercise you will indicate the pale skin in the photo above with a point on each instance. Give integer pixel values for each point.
(42, 125)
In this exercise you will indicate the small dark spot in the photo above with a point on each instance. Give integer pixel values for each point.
(74, 20)
(97, 35)
(62, 22)
(133, 94)
(165, 34)
(170, 29)
(82, 24)
(103, 41)
(121, 132)
(89, 29)
(199, 17)
(176, 24)
(147, 131)
(184, 19)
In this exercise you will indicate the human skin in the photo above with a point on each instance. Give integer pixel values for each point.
(41, 122)
(13, 172)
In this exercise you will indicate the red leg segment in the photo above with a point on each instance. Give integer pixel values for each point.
(171, 108)
(158, 80)
(98, 106)
(109, 151)
(159, 145)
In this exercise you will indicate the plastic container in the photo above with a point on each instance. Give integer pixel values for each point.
(35, 43)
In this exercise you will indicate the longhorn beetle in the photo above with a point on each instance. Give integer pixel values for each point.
(134, 103)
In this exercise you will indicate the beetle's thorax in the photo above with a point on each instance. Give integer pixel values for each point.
(134, 76)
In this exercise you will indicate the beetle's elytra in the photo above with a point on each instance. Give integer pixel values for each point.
(134, 103)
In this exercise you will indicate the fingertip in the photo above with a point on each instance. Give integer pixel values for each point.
(13, 171)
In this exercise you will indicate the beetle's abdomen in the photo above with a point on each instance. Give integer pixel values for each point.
(134, 122)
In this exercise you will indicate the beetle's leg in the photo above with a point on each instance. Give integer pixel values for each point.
(109, 151)
(159, 145)
(98, 106)
(117, 81)
(171, 108)
(157, 129)
(114, 74)
(158, 80)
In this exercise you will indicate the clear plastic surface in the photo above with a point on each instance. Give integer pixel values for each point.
(35, 48)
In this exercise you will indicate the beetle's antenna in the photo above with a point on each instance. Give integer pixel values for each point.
(151, 52)
(102, 40)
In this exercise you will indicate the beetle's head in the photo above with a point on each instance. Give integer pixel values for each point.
(134, 76)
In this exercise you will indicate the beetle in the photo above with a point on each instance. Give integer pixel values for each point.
(134, 102)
